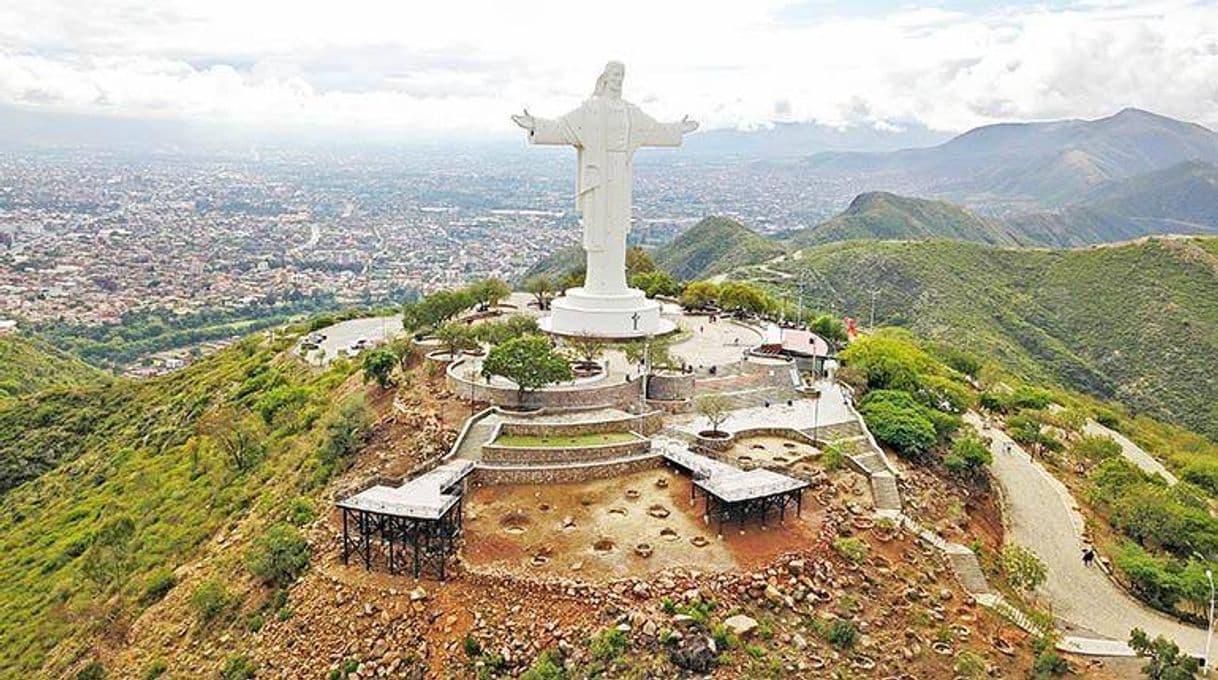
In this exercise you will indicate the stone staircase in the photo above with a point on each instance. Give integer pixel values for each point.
(479, 433)
(885, 493)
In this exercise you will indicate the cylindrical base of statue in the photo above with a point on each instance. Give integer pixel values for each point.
(628, 314)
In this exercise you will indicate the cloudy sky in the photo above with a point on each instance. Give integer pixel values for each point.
(460, 67)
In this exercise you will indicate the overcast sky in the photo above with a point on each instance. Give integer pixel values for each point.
(452, 66)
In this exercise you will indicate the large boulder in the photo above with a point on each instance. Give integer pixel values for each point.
(694, 653)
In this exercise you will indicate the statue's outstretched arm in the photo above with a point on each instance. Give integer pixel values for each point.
(546, 130)
(647, 131)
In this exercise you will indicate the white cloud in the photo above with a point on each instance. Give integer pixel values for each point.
(464, 66)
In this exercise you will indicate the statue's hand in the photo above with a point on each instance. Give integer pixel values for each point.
(525, 121)
(688, 126)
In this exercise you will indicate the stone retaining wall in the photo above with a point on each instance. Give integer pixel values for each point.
(563, 475)
(542, 455)
(646, 424)
(670, 386)
(787, 432)
(620, 394)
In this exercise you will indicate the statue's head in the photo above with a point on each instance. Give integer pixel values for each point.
(610, 82)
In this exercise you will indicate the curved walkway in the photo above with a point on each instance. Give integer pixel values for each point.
(1042, 516)
(1132, 452)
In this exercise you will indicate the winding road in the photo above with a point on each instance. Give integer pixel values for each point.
(1042, 516)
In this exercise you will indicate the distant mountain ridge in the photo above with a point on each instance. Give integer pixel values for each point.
(1034, 164)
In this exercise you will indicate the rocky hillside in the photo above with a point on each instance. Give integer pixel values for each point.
(886, 216)
(1137, 322)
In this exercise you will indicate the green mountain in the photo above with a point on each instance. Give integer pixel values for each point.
(885, 216)
(107, 490)
(29, 364)
(1032, 164)
(1137, 322)
(558, 263)
(1182, 199)
(713, 246)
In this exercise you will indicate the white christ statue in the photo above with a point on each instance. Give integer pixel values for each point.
(605, 130)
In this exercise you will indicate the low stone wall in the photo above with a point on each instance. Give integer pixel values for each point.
(670, 386)
(562, 475)
(786, 432)
(542, 455)
(718, 444)
(618, 395)
(646, 424)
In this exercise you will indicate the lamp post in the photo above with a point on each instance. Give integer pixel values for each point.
(1209, 631)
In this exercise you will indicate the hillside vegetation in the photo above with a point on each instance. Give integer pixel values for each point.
(1137, 323)
(28, 364)
(119, 486)
(713, 246)
(886, 216)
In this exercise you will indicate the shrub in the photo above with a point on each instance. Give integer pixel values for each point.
(278, 556)
(851, 548)
(159, 583)
(300, 511)
(1095, 449)
(210, 600)
(842, 634)
(378, 365)
(155, 669)
(898, 421)
(969, 456)
(92, 671)
(609, 644)
(969, 665)
(1164, 659)
(547, 666)
(238, 667)
(1049, 664)
(473, 648)
(1023, 568)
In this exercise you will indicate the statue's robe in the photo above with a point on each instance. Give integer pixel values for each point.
(605, 131)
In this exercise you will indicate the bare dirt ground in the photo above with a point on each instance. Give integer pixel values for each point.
(769, 451)
(590, 530)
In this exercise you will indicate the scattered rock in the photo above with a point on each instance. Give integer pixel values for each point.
(740, 625)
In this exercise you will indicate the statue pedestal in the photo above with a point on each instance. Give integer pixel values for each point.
(628, 314)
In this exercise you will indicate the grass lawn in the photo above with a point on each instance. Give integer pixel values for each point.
(565, 442)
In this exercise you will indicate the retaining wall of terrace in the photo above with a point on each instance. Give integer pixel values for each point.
(542, 455)
(563, 474)
(646, 424)
(617, 394)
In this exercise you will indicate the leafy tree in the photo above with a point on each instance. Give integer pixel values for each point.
(655, 283)
(898, 421)
(1049, 664)
(1095, 449)
(638, 261)
(378, 365)
(488, 292)
(587, 347)
(1164, 659)
(699, 294)
(571, 279)
(1024, 569)
(716, 408)
(455, 336)
(830, 328)
(969, 456)
(239, 435)
(743, 297)
(542, 289)
(528, 361)
(889, 360)
(108, 560)
(499, 332)
(278, 556)
(343, 429)
(282, 399)
(656, 350)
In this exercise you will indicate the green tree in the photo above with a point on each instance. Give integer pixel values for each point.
(1023, 568)
(638, 261)
(587, 347)
(488, 292)
(699, 294)
(743, 297)
(528, 361)
(108, 561)
(211, 599)
(378, 365)
(655, 283)
(542, 290)
(1164, 660)
(716, 408)
(896, 419)
(240, 435)
(343, 429)
(278, 556)
(455, 336)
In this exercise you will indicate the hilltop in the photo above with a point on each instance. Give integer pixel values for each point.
(886, 216)
(713, 246)
(1137, 323)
